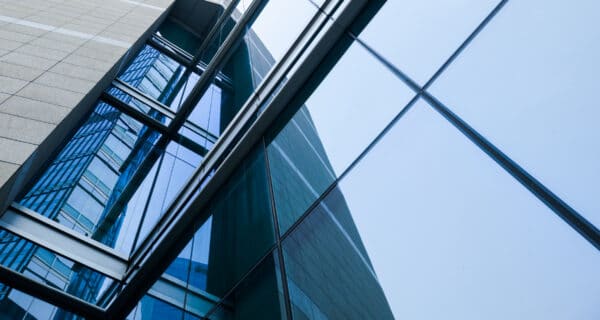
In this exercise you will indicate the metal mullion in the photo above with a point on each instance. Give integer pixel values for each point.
(144, 98)
(279, 249)
(216, 28)
(136, 114)
(183, 60)
(50, 294)
(133, 183)
(185, 212)
(190, 144)
(162, 41)
(580, 224)
(212, 69)
(64, 241)
(200, 131)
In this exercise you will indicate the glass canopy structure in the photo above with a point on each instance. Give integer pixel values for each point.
(300, 159)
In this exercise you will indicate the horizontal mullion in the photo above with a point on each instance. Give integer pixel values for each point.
(61, 240)
(144, 98)
(51, 295)
(134, 113)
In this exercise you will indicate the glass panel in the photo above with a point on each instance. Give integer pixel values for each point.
(179, 36)
(86, 187)
(237, 232)
(338, 121)
(139, 105)
(449, 235)
(153, 73)
(529, 86)
(173, 168)
(85, 176)
(184, 281)
(209, 116)
(15, 304)
(150, 308)
(425, 33)
(51, 269)
(261, 47)
(259, 296)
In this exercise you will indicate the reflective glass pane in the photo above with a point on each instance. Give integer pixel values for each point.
(449, 234)
(174, 166)
(153, 73)
(529, 84)
(179, 35)
(419, 36)
(15, 304)
(237, 231)
(88, 175)
(258, 296)
(336, 123)
(53, 270)
(209, 116)
(265, 42)
(138, 105)
(150, 308)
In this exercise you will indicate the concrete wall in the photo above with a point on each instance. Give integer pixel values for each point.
(56, 56)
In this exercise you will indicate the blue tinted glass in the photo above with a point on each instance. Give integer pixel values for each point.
(175, 166)
(449, 234)
(261, 48)
(528, 84)
(419, 36)
(153, 73)
(15, 304)
(83, 186)
(335, 124)
(236, 233)
(48, 268)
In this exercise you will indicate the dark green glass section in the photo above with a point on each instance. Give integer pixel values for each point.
(242, 224)
(329, 274)
(300, 169)
(238, 68)
(179, 36)
(237, 232)
(259, 296)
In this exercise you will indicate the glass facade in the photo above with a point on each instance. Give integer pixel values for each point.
(437, 161)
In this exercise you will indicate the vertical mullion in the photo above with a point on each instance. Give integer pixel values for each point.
(279, 247)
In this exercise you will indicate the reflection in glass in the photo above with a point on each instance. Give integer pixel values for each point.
(154, 74)
(451, 235)
(138, 105)
(425, 33)
(19, 305)
(87, 175)
(326, 248)
(237, 232)
(50, 269)
(159, 187)
(529, 85)
(261, 48)
(174, 32)
(258, 296)
(151, 308)
(338, 121)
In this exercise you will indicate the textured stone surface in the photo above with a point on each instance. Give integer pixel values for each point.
(52, 53)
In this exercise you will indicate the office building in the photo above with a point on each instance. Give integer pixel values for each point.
(298, 159)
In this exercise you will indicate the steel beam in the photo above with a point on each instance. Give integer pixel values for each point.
(185, 214)
(59, 239)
